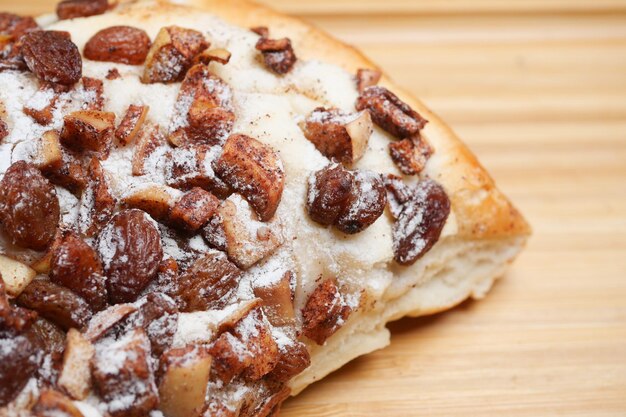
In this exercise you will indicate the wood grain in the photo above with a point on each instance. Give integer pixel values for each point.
(537, 88)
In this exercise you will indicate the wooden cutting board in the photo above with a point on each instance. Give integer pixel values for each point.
(537, 88)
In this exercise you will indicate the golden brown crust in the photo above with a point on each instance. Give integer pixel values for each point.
(481, 210)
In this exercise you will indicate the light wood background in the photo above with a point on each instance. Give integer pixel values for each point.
(537, 88)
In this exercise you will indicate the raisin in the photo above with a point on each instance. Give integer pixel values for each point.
(209, 283)
(77, 266)
(70, 9)
(420, 222)
(130, 248)
(329, 193)
(56, 303)
(366, 203)
(52, 57)
(120, 44)
(390, 113)
(29, 207)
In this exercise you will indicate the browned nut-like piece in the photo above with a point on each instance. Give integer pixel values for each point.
(121, 44)
(97, 203)
(122, 369)
(410, 155)
(207, 56)
(70, 174)
(192, 166)
(367, 78)
(54, 404)
(254, 170)
(204, 112)
(88, 130)
(172, 54)
(105, 320)
(75, 375)
(49, 155)
(339, 135)
(4, 127)
(193, 210)
(95, 90)
(278, 54)
(325, 312)
(420, 221)
(185, 375)
(390, 113)
(248, 240)
(131, 124)
(262, 31)
(294, 358)
(156, 200)
(150, 139)
(71, 9)
(254, 332)
(277, 300)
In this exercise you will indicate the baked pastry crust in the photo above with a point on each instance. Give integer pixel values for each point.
(483, 234)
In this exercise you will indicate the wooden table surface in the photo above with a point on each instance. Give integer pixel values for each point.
(537, 88)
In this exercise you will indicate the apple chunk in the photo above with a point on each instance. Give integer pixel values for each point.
(156, 200)
(75, 376)
(16, 275)
(253, 169)
(184, 382)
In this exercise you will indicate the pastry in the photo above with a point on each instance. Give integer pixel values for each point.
(206, 210)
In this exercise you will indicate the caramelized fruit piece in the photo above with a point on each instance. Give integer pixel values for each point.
(130, 249)
(29, 208)
(172, 54)
(262, 31)
(278, 54)
(49, 156)
(390, 113)
(420, 222)
(325, 312)
(270, 405)
(367, 78)
(410, 155)
(76, 265)
(19, 360)
(150, 139)
(193, 210)
(13, 320)
(203, 113)
(278, 300)
(122, 369)
(156, 200)
(16, 275)
(349, 200)
(339, 135)
(75, 376)
(4, 127)
(56, 303)
(54, 404)
(209, 283)
(254, 170)
(89, 130)
(52, 57)
(120, 44)
(247, 240)
(185, 375)
(71, 9)
(131, 124)
(97, 203)
(69, 174)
